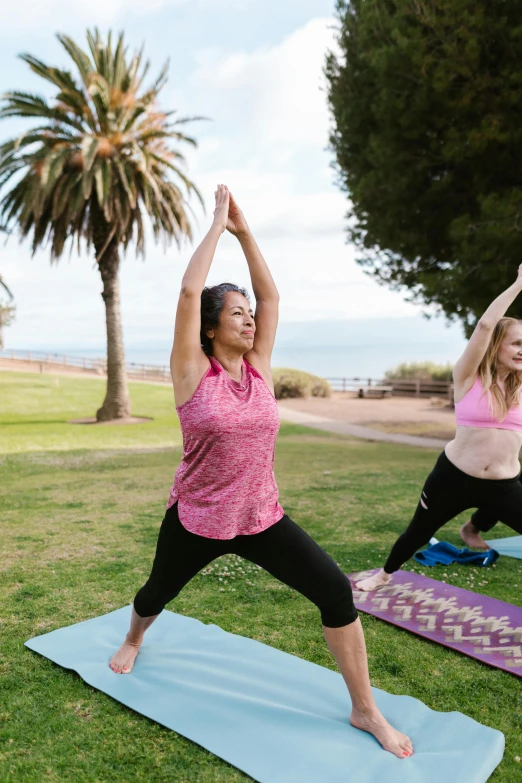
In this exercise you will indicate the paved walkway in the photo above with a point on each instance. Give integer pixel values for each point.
(356, 430)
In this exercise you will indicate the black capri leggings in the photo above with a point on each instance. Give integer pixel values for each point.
(447, 492)
(484, 520)
(284, 550)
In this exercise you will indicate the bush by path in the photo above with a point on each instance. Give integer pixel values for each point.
(297, 383)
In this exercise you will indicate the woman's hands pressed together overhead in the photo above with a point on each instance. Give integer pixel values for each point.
(222, 207)
(236, 223)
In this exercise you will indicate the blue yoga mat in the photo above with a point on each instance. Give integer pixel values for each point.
(508, 546)
(278, 718)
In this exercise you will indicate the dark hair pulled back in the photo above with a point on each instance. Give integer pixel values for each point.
(212, 304)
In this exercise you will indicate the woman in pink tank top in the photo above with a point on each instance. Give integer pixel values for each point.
(224, 498)
(480, 468)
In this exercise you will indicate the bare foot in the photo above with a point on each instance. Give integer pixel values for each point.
(123, 660)
(390, 739)
(471, 536)
(372, 582)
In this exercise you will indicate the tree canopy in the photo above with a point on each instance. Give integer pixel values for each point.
(101, 157)
(426, 99)
(103, 154)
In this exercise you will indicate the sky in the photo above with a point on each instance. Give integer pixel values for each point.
(255, 70)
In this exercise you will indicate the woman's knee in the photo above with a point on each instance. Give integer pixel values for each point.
(338, 609)
(151, 600)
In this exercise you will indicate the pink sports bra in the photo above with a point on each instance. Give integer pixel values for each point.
(473, 411)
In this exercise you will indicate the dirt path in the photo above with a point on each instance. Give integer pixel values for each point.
(415, 422)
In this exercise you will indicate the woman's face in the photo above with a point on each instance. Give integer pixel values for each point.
(236, 328)
(509, 356)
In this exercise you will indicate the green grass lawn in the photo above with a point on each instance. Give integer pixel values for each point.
(35, 411)
(81, 507)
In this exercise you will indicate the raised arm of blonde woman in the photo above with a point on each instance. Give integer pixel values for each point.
(466, 368)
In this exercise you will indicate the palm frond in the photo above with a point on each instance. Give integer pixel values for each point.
(61, 79)
(78, 56)
(90, 146)
(119, 67)
(22, 104)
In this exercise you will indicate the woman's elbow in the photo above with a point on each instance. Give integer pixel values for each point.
(189, 291)
(485, 325)
(272, 298)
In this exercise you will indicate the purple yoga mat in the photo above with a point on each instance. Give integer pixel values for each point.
(475, 625)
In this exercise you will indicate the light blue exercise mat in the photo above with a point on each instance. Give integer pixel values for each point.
(508, 546)
(278, 718)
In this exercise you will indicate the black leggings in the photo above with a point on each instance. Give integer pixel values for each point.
(447, 492)
(485, 520)
(284, 550)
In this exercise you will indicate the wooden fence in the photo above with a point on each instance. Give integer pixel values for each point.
(418, 387)
(53, 362)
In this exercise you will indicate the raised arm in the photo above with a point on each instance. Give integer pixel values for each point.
(188, 362)
(465, 370)
(264, 288)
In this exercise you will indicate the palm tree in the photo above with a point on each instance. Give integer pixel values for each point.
(97, 163)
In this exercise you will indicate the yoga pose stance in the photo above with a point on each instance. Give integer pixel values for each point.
(225, 499)
(480, 467)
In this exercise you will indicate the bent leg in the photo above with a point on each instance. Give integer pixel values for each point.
(508, 505)
(293, 557)
(483, 520)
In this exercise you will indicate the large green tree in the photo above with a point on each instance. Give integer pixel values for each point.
(99, 162)
(426, 99)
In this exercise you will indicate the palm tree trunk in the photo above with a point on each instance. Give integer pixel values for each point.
(116, 404)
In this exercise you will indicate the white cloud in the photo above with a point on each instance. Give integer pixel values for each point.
(275, 93)
(273, 105)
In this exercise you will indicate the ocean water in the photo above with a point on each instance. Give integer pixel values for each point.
(361, 361)
(331, 349)
(364, 361)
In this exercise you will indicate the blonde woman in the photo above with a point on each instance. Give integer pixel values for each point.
(480, 468)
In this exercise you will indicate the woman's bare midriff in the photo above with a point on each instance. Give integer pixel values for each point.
(486, 452)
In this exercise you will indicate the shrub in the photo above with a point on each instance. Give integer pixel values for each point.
(297, 383)
(425, 370)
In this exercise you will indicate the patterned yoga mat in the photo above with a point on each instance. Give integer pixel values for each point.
(473, 624)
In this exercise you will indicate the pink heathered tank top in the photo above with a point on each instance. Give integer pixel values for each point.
(473, 411)
(225, 484)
